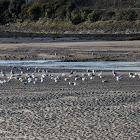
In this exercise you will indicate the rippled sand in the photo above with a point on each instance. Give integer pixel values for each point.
(90, 110)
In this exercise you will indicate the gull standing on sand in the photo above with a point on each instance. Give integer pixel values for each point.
(114, 73)
(77, 78)
(100, 74)
(84, 79)
(94, 71)
(75, 83)
(63, 74)
(90, 74)
(131, 74)
(66, 79)
(71, 83)
(91, 78)
(42, 80)
(29, 80)
(83, 74)
(119, 78)
(35, 82)
(22, 72)
(12, 73)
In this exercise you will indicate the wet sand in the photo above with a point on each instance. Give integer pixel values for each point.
(68, 49)
(90, 110)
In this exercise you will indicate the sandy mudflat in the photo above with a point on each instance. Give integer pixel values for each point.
(68, 49)
(91, 110)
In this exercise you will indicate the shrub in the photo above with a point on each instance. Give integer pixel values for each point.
(84, 14)
(61, 12)
(70, 7)
(35, 11)
(24, 14)
(49, 10)
(75, 17)
(7, 17)
(129, 15)
(93, 16)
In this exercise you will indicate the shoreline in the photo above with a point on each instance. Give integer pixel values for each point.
(80, 36)
(7, 69)
(58, 65)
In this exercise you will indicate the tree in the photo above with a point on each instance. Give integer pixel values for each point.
(84, 14)
(50, 10)
(75, 17)
(61, 12)
(70, 7)
(4, 4)
(93, 16)
(35, 11)
(24, 14)
(7, 17)
(15, 7)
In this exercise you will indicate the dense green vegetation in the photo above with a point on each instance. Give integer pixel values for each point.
(72, 11)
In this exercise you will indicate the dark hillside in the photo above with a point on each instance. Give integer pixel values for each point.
(109, 15)
(96, 3)
(101, 3)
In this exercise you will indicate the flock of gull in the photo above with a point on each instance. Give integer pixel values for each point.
(32, 76)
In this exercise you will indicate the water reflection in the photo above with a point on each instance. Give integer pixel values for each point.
(56, 64)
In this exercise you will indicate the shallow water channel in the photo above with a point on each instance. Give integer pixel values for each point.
(57, 64)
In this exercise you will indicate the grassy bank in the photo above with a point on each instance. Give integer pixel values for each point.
(105, 30)
(100, 27)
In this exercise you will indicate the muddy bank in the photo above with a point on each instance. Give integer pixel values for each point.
(65, 50)
(80, 36)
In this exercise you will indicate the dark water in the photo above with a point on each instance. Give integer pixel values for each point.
(56, 64)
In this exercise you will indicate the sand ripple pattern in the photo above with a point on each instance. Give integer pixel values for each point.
(91, 110)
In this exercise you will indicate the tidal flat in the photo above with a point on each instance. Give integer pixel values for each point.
(95, 108)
